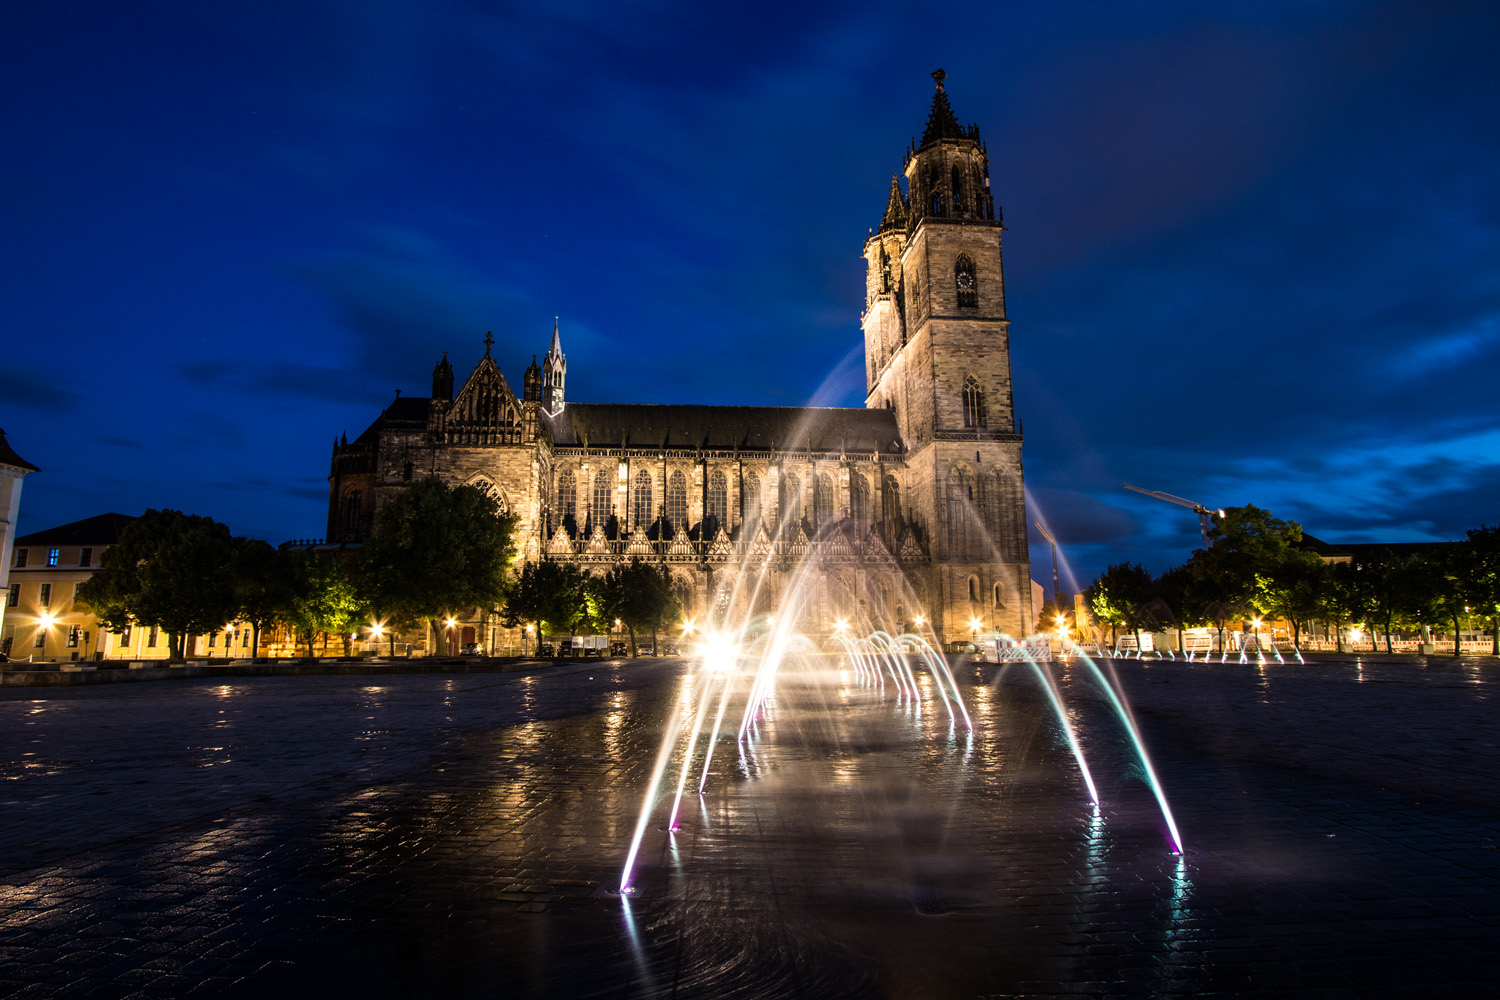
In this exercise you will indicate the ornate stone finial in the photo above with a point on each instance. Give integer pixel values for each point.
(489, 342)
(939, 76)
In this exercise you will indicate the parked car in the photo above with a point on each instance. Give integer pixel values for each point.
(471, 649)
(670, 649)
(646, 648)
(546, 649)
(618, 648)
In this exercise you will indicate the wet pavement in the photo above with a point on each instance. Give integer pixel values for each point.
(456, 836)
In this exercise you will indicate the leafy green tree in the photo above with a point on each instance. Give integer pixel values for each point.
(324, 599)
(640, 596)
(1453, 576)
(265, 583)
(1292, 589)
(1176, 600)
(1484, 578)
(1122, 596)
(437, 550)
(169, 569)
(551, 596)
(1345, 600)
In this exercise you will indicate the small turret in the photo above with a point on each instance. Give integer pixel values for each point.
(442, 379)
(531, 387)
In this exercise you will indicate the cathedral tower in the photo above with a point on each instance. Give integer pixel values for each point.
(554, 371)
(937, 353)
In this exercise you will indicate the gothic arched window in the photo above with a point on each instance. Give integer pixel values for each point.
(750, 489)
(717, 508)
(890, 503)
(937, 203)
(677, 501)
(567, 497)
(859, 498)
(965, 280)
(958, 190)
(885, 271)
(644, 510)
(822, 500)
(973, 588)
(351, 510)
(998, 591)
(789, 500)
(974, 415)
(604, 501)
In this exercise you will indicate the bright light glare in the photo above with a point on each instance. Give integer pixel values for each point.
(47, 618)
(975, 624)
(719, 651)
(450, 622)
(841, 625)
(687, 626)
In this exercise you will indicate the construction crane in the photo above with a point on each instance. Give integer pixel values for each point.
(1205, 514)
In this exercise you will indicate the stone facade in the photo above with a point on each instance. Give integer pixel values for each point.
(912, 508)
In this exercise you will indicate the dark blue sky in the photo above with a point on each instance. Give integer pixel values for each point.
(1253, 251)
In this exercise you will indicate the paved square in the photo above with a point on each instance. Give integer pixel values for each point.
(428, 835)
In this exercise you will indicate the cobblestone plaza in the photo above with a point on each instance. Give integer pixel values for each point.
(430, 835)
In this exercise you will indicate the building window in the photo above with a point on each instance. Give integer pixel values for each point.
(750, 489)
(859, 499)
(822, 500)
(644, 510)
(85, 557)
(52, 556)
(44, 596)
(351, 511)
(718, 503)
(15, 596)
(789, 502)
(125, 637)
(567, 497)
(75, 632)
(973, 588)
(966, 281)
(958, 190)
(890, 502)
(603, 498)
(999, 604)
(213, 639)
(40, 642)
(974, 415)
(245, 638)
(677, 514)
(151, 637)
(20, 562)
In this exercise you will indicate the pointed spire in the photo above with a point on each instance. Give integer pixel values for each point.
(941, 122)
(555, 350)
(896, 212)
(489, 341)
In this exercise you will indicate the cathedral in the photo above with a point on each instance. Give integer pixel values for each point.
(908, 514)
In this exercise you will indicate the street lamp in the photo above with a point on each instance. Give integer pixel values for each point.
(1056, 596)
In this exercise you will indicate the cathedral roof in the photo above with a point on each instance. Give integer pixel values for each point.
(941, 122)
(725, 428)
(404, 411)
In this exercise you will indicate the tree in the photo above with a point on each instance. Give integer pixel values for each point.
(264, 585)
(1176, 600)
(1292, 589)
(437, 550)
(1344, 599)
(1122, 595)
(1484, 578)
(548, 595)
(169, 569)
(324, 599)
(640, 596)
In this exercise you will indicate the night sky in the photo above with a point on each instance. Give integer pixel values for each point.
(1253, 248)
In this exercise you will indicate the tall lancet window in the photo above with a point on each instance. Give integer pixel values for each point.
(966, 281)
(859, 499)
(958, 190)
(750, 487)
(567, 498)
(604, 498)
(885, 272)
(677, 502)
(789, 502)
(822, 500)
(717, 507)
(644, 510)
(974, 415)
